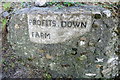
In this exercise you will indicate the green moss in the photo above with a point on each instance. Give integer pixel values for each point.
(4, 22)
(6, 6)
(47, 76)
(59, 6)
(68, 4)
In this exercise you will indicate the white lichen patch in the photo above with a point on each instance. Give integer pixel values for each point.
(52, 65)
(90, 74)
(25, 53)
(99, 60)
(17, 26)
(112, 59)
(81, 43)
(37, 63)
(107, 13)
(24, 47)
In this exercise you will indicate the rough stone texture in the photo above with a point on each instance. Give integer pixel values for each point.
(90, 55)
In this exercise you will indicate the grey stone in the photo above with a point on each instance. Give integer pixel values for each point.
(5, 14)
(40, 2)
(107, 13)
(81, 56)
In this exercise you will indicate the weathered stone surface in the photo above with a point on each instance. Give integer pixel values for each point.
(92, 54)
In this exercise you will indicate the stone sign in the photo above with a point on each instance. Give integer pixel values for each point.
(75, 42)
(56, 28)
